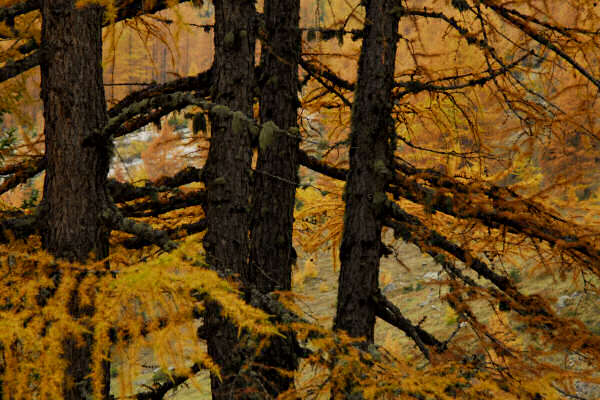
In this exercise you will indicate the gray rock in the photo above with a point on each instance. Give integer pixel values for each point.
(564, 301)
(432, 276)
(389, 287)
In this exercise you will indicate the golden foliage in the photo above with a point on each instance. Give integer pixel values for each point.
(153, 303)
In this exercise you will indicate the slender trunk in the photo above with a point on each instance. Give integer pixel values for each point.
(276, 176)
(74, 186)
(371, 157)
(227, 178)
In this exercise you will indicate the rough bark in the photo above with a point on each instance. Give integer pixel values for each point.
(227, 179)
(277, 164)
(276, 177)
(371, 163)
(75, 182)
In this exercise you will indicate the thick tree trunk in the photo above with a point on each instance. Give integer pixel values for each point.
(227, 178)
(277, 165)
(74, 186)
(371, 156)
(276, 177)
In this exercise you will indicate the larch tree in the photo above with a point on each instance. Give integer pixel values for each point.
(372, 145)
(276, 176)
(227, 179)
(75, 195)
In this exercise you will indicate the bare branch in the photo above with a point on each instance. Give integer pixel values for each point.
(387, 311)
(12, 69)
(126, 9)
(321, 166)
(413, 87)
(542, 40)
(11, 12)
(22, 173)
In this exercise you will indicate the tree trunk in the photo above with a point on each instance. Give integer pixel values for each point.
(227, 178)
(74, 186)
(276, 176)
(371, 162)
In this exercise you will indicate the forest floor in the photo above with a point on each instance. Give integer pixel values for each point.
(412, 286)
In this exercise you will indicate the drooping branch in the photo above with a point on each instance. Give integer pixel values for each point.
(125, 9)
(539, 313)
(330, 87)
(470, 37)
(321, 166)
(387, 311)
(413, 87)
(324, 72)
(541, 39)
(491, 205)
(497, 207)
(412, 230)
(17, 167)
(563, 30)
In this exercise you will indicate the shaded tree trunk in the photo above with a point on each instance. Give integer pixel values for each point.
(371, 162)
(227, 179)
(74, 186)
(276, 176)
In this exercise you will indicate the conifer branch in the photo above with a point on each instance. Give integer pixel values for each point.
(122, 192)
(159, 390)
(8, 14)
(14, 68)
(174, 233)
(412, 230)
(510, 17)
(413, 87)
(125, 10)
(540, 313)
(17, 167)
(22, 172)
(470, 37)
(18, 227)
(116, 221)
(199, 84)
(155, 207)
(322, 71)
(390, 313)
(155, 107)
(321, 166)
